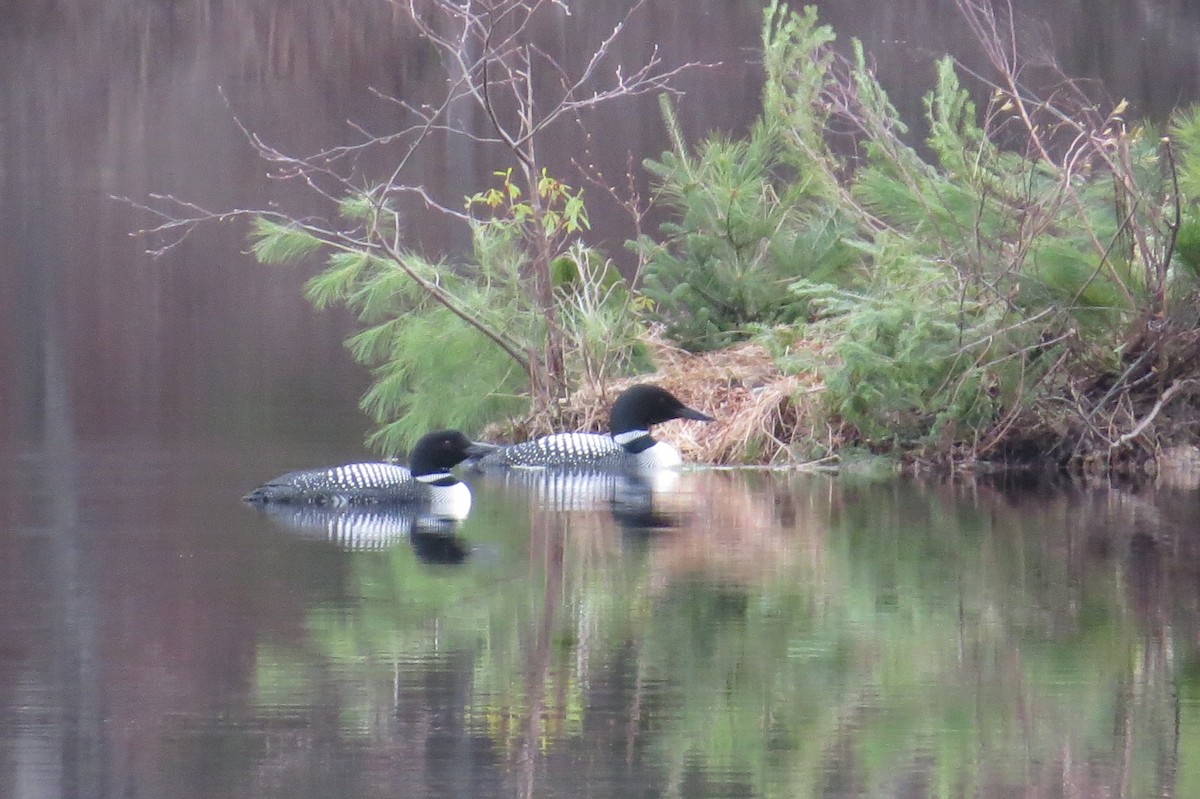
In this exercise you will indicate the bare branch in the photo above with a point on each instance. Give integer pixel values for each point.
(451, 304)
(1166, 397)
(496, 70)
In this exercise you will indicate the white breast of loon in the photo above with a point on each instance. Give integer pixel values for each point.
(451, 502)
(660, 456)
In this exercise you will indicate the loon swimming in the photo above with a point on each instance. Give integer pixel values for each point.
(628, 445)
(427, 483)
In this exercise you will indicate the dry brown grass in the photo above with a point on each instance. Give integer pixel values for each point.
(763, 416)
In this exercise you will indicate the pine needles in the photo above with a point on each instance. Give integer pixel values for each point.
(1021, 287)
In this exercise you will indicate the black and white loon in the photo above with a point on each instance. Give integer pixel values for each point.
(628, 445)
(426, 484)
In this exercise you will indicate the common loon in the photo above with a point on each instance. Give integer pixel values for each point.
(427, 484)
(628, 445)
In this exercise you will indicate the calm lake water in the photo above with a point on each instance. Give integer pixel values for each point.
(733, 634)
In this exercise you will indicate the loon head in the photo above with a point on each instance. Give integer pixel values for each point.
(433, 456)
(436, 453)
(643, 405)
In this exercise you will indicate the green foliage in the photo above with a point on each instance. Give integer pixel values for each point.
(591, 300)
(430, 368)
(973, 206)
(275, 243)
(444, 340)
(944, 335)
(1184, 131)
(561, 207)
(1187, 245)
(914, 359)
(753, 215)
(435, 372)
(600, 316)
(1185, 138)
(357, 207)
(796, 60)
(946, 276)
(946, 279)
(746, 228)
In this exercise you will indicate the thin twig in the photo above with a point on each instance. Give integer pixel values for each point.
(1171, 391)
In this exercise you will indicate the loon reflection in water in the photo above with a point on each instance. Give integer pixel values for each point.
(434, 539)
(634, 499)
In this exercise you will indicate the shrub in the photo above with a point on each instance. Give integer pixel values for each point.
(1031, 262)
(446, 341)
(747, 223)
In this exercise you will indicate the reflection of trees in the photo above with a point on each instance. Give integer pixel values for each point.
(1018, 650)
(55, 652)
(890, 640)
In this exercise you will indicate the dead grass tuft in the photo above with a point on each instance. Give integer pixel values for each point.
(763, 415)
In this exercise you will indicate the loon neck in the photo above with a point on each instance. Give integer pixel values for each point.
(439, 479)
(634, 441)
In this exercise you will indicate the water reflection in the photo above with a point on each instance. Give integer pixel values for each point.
(783, 636)
(774, 635)
(433, 538)
(637, 502)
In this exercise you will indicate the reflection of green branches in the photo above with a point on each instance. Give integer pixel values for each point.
(927, 636)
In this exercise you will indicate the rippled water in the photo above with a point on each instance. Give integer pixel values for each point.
(723, 634)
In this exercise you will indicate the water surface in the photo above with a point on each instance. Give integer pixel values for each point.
(743, 634)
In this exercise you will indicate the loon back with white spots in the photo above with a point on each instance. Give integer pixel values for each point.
(427, 483)
(559, 449)
(628, 445)
(353, 483)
